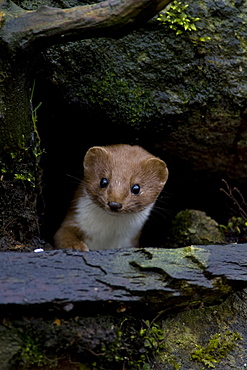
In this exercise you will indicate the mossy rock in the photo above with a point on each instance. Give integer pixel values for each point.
(184, 92)
(207, 337)
(192, 227)
(198, 338)
(10, 345)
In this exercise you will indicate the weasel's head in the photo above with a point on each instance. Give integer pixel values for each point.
(123, 178)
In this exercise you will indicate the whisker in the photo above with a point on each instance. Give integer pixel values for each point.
(78, 180)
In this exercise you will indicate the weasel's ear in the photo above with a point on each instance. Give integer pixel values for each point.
(94, 156)
(157, 169)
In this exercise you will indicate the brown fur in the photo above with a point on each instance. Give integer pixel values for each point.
(123, 166)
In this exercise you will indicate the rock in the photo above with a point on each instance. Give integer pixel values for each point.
(154, 277)
(181, 98)
(10, 346)
(182, 94)
(191, 227)
(218, 334)
(114, 308)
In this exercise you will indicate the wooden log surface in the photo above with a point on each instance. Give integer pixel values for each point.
(169, 277)
(110, 18)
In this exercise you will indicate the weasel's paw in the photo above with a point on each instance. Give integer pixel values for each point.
(80, 246)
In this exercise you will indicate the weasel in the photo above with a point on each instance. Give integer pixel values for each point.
(114, 199)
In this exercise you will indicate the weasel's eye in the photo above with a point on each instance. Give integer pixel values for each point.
(103, 183)
(135, 189)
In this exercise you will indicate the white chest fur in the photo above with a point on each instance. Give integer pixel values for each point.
(108, 231)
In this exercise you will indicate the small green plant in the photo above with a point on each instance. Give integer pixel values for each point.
(31, 354)
(177, 19)
(153, 336)
(36, 150)
(236, 229)
(154, 343)
(24, 177)
(21, 170)
(135, 348)
(217, 348)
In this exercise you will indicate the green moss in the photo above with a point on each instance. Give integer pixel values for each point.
(192, 227)
(19, 167)
(201, 328)
(217, 348)
(242, 143)
(134, 344)
(123, 99)
(15, 165)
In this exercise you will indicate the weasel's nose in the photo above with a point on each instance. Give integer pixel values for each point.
(114, 206)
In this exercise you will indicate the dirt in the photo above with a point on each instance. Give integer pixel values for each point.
(8, 244)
